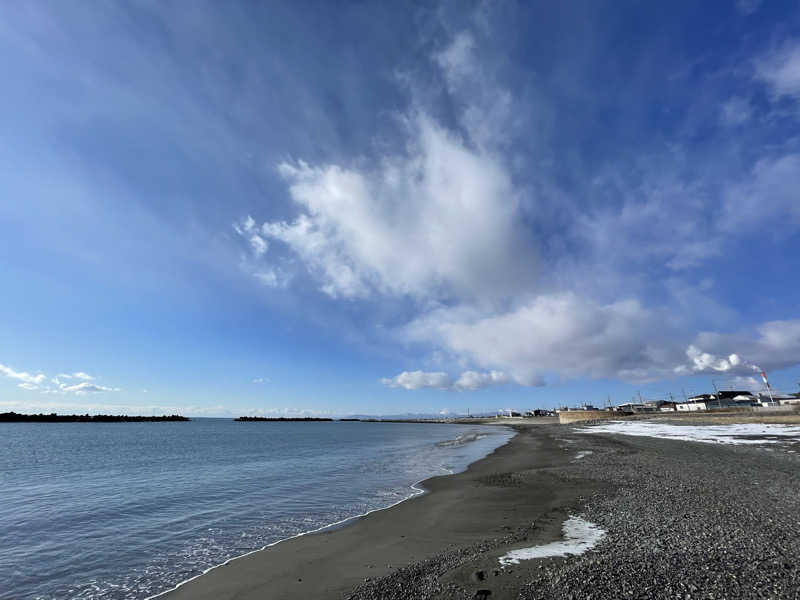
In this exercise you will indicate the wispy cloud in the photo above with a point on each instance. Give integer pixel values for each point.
(55, 385)
(84, 387)
(23, 376)
(79, 375)
(570, 296)
(780, 70)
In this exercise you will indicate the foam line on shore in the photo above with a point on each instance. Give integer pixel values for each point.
(579, 537)
(416, 491)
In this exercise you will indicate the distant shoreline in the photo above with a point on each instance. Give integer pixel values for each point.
(280, 419)
(12, 417)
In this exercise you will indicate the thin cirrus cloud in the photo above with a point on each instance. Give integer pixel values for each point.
(28, 379)
(780, 70)
(78, 375)
(579, 291)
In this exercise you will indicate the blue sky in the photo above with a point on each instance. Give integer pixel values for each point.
(219, 208)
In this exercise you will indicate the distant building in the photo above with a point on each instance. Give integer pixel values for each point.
(700, 398)
(764, 399)
(630, 407)
(734, 397)
(723, 399)
(539, 412)
(692, 405)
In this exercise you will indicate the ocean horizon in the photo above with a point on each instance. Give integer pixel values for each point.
(129, 510)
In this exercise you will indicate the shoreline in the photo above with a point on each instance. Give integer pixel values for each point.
(417, 489)
(680, 517)
(277, 569)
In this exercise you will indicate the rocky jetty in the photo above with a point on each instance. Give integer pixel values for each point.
(12, 417)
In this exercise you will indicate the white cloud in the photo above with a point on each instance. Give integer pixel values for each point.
(467, 381)
(258, 244)
(262, 380)
(770, 346)
(704, 362)
(438, 221)
(417, 380)
(267, 275)
(780, 70)
(84, 387)
(246, 226)
(432, 223)
(560, 333)
(474, 380)
(22, 375)
(79, 375)
(32, 382)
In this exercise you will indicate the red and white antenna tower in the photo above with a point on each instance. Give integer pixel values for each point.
(769, 389)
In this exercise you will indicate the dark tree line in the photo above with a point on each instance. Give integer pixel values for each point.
(12, 417)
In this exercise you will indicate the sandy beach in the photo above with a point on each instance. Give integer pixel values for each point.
(681, 519)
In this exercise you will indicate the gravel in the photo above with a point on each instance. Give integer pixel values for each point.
(686, 520)
(422, 579)
(683, 520)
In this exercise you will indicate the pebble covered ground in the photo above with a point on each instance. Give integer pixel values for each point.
(683, 520)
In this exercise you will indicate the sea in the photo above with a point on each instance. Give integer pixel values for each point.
(129, 510)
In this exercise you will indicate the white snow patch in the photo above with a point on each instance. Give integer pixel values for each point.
(579, 536)
(740, 433)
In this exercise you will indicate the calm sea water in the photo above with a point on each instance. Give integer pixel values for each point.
(126, 510)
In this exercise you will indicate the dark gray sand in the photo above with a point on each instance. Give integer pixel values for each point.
(683, 519)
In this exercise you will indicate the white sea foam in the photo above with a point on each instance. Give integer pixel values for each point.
(462, 439)
(415, 488)
(579, 536)
(740, 433)
(582, 454)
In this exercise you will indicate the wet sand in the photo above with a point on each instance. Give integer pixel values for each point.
(494, 502)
